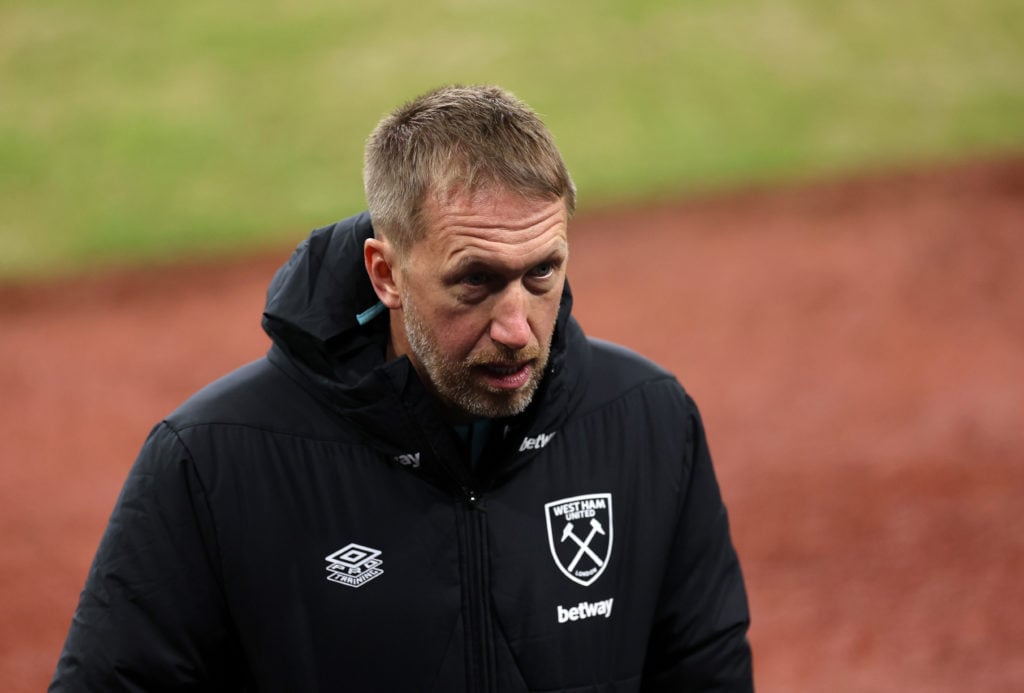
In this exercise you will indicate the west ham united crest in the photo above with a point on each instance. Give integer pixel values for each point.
(580, 535)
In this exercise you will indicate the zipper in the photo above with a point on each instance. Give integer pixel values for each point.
(476, 604)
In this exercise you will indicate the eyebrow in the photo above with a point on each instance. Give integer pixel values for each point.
(473, 262)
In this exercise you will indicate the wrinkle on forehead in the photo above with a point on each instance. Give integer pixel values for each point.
(497, 223)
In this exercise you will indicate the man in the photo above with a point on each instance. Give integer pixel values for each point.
(434, 480)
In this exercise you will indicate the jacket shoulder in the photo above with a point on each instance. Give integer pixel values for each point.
(257, 395)
(616, 370)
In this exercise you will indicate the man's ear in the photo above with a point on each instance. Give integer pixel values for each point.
(381, 265)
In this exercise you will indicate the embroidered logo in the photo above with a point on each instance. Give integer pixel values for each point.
(580, 535)
(411, 459)
(585, 610)
(536, 443)
(354, 565)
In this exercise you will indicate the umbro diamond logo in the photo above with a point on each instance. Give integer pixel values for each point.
(354, 565)
(536, 443)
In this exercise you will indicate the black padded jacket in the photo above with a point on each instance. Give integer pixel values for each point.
(309, 523)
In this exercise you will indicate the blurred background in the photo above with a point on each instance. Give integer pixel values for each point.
(813, 212)
(149, 131)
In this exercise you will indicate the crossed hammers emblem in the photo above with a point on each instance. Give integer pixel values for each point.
(584, 544)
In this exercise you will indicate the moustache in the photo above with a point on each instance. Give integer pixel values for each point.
(504, 356)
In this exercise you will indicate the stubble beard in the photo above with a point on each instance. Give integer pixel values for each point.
(454, 380)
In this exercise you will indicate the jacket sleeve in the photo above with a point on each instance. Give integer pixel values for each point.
(152, 616)
(699, 641)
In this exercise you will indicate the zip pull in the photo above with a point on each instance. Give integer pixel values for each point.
(473, 499)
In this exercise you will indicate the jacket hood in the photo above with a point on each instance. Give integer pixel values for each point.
(330, 332)
(315, 300)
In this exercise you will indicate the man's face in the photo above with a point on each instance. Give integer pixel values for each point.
(480, 294)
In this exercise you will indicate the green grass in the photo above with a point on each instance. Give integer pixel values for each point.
(141, 132)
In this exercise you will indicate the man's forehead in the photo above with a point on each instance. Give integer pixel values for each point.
(493, 208)
(459, 194)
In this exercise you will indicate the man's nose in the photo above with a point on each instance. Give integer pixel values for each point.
(509, 325)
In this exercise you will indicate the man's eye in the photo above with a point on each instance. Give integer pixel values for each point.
(475, 279)
(545, 269)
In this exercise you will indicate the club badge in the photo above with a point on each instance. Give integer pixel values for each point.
(580, 535)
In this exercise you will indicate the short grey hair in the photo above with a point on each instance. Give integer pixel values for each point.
(457, 139)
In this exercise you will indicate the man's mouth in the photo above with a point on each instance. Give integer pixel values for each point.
(506, 376)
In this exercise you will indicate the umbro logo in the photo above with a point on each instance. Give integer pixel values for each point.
(354, 565)
(536, 443)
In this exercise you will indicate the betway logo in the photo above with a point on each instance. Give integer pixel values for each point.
(585, 610)
(536, 443)
(410, 460)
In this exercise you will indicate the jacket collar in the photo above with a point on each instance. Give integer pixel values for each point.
(321, 316)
